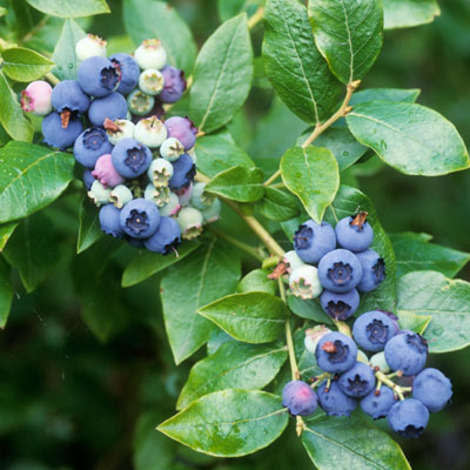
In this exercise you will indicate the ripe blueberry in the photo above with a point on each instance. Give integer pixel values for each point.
(36, 98)
(312, 241)
(358, 381)
(68, 96)
(130, 158)
(184, 171)
(373, 270)
(340, 271)
(109, 217)
(175, 84)
(333, 401)
(166, 238)
(340, 306)
(128, 70)
(90, 145)
(58, 136)
(354, 233)
(105, 172)
(336, 353)
(299, 398)
(97, 76)
(372, 330)
(433, 389)
(378, 404)
(112, 106)
(407, 352)
(140, 218)
(183, 129)
(408, 417)
(88, 179)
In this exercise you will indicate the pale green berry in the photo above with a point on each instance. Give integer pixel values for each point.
(171, 149)
(90, 46)
(313, 336)
(150, 132)
(120, 195)
(304, 282)
(160, 171)
(119, 129)
(190, 222)
(140, 103)
(212, 213)
(151, 81)
(378, 360)
(172, 207)
(160, 196)
(292, 260)
(151, 55)
(199, 199)
(99, 194)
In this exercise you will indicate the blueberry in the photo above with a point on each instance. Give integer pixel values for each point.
(340, 306)
(312, 241)
(140, 218)
(151, 54)
(110, 221)
(378, 403)
(340, 271)
(372, 330)
(171, 149)
(90, 145)
(190, 221)
(212, 213)
(407, 352)
(333, 401)
(113, 107)
(184, 171)
(128, 70)
(150, 132)
(175, 84)
(151, 81)
(68, 96)
(36, 98)
(336, 353)
(408, 417)
(432, 388)
(97, 76)
(299, 398)
(56, 134)
(354, 233)
(130, 158)
(140, 103)
(166, 238)
(105, 172)
(88, 179)
(90, 46)
(172, 207)
(373, 270)
(358, 381)
(183, 129)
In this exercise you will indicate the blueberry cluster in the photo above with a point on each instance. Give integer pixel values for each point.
(341, 273)
(139, 168)
(392, 382)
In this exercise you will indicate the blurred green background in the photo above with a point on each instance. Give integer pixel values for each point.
(68, 401)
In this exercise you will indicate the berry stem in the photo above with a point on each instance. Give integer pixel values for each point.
(251, 250)
(256, 18)
(50, 77)
(319, 378)
(384, 379)
(342, 327)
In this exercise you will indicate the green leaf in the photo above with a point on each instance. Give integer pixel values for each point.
(411, 138)
(25, 65)
(411, 321)
(64, 53)
(219, 152)
(415, 254)
(313, 175)
(222, 75)
(3, 11)
(70, 8)
(11, 114)
(6, 231)
(252, 317)
(385, 94)
(229, 8)
(257, 281)
(407, 13)
(6, 293)
(238, 184)
(233, 365)
(349, 201)
(89, 230)
(447, 301)
(278, 205)
(309, 309)
(352, 443)
(200, 278)
(145, 264)
(31, 177)
(293, 64)
(348, 34)
(144, 19)
(230, 423)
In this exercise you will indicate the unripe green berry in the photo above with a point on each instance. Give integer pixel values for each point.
(172, 207)
(140, 103)
(160, 196)
(160, 172)
(199, 199)
(190, 222)
(120, 195)
(304, 282)
(171, 149)
(212, 213)
(99, 194)
(151, 81)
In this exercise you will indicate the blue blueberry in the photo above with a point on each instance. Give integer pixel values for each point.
(432, 388)
(373, 270)
(377, 404)
(340, 271)
(175, 84)
(88, 179)
(358, 381)
(372, 330)
(110, 220)
(90, 145)
(340, 306)
(299, 398)
(140, 218)
(184, 171)
(68, 96)
(312, 241)
(183, 129)
(129, 72)
(333, 401)
(408, 417)
(336, 352)
(113, 107)
(97, 76)
(354, 233)
(58, 136)
(407, 351)
(130, 158)
(166, 238)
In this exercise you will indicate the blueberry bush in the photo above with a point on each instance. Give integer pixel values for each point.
(200, 203)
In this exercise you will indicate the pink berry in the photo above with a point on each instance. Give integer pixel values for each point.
(36, 98)
(105, 172)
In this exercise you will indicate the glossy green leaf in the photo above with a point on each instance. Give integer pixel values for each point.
(25, 65)
(351, 443)
(146, 19)
(313, 175)
(31, 177)
(64, 55)
(217, 339)
(385, 94)
(348, 34)
(222, 75)
(205, 275)
(409, 137)
(145, 263)
(293, 64)
(6, 293)
(230, 423)
(233, 365)
(447, 301)
(309, 309)
(411, 321)
(278, 205)
(70, 8)
(229, 8)
(89, 230)
(238, 183)
(252, 317)
(407, 13)
(415, 254)
(11, 115)
(257, 281)
(6, 231)
(219, 152)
